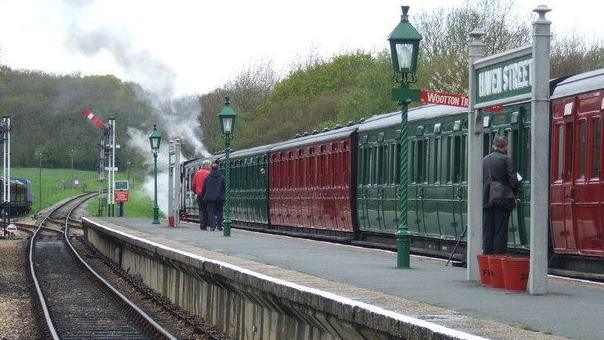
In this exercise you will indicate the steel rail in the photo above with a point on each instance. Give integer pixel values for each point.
(50, 325)
(158, 328)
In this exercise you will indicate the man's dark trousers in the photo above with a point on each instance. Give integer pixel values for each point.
(214, 214)
(495, 230)
(203, 214)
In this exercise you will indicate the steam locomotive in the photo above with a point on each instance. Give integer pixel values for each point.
(343, 183)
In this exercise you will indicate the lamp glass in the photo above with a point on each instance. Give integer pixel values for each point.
(154, 143)
(404, 53)
(227, 124)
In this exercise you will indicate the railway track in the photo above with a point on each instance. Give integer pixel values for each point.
(76, 301)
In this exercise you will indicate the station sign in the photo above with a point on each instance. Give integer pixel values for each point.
(121, 185)
(504, 78)
(450, 99)
(121, 196)
(441, 98)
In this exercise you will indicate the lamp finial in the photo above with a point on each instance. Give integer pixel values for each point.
(405, 16)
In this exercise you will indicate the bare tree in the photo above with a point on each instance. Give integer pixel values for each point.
(571, 55)
(248, 91)
(445, 33)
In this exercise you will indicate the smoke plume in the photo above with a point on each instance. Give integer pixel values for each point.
(176, 117)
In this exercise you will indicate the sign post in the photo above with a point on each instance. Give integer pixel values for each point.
(5, 128)
(173, 182)
(121, 195)
(475, 145)
(540, 123)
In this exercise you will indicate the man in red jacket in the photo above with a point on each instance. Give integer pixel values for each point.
(198, 180)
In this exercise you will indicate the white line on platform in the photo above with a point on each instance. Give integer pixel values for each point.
(347, 301)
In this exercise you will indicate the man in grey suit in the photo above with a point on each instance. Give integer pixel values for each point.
(497, 167)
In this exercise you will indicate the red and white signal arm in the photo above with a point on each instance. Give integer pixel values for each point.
(121, 196)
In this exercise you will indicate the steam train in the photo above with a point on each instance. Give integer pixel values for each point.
(21, 198)
(343, 183)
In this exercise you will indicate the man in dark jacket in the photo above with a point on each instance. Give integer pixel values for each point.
(497, 167)
(213, 196)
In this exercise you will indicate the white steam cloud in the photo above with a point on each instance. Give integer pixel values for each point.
(175, 117)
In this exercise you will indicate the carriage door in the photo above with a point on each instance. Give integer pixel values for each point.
(562, 194)
(458, 171)
(515, 152)
(586, 208)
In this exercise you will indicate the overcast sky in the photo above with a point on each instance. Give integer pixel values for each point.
(195, 46)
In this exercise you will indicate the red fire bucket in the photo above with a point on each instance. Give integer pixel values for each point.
(171, 221)
(483, 267)
(516, 273)
(496, 271)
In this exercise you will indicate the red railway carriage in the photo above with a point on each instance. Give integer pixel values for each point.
(577, 160)
(310, 183)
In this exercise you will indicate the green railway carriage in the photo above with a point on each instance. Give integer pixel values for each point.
(437, 174)
(249, 187)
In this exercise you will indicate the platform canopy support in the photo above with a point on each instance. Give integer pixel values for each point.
(540, 125)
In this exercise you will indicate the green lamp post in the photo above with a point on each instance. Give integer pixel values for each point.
(404, 49)
(155, 140)
(227, 124)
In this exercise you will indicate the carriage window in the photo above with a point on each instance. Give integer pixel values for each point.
(411, 169)
(385, 161)
(464, 148)
(526, 154)
(379, 166)
(391, 167)
(582, 148)
(457, 159)
(421, 161)
(568, 151)
(449, 157)
(371, 172)
(485, 144)
(397, 163)
(365, 164)
(595, 167)
(436, 160)
(560, 156)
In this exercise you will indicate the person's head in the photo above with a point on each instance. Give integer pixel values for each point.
(500, 143)
(215, 166)
(206, 164)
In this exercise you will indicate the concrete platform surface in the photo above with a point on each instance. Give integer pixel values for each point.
(429, 291)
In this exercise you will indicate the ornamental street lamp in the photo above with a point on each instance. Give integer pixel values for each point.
(404, 49)
(155, 140)
(227, 124)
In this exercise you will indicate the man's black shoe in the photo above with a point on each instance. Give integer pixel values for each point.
(203, 228)
(212, 229)
(219, 228)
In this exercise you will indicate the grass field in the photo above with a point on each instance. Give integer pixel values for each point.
(56, 186)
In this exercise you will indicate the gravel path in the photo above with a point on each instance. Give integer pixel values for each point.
(17, 320)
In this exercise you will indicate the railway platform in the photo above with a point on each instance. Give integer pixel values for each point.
(428, 299)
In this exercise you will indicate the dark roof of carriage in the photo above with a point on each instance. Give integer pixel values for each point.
(416, 113)
(320, 137)
(583, 82)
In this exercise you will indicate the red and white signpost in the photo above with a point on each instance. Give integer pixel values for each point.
(450, 99)
(121, 196)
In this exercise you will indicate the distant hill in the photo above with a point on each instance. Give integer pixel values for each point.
(46, 115)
